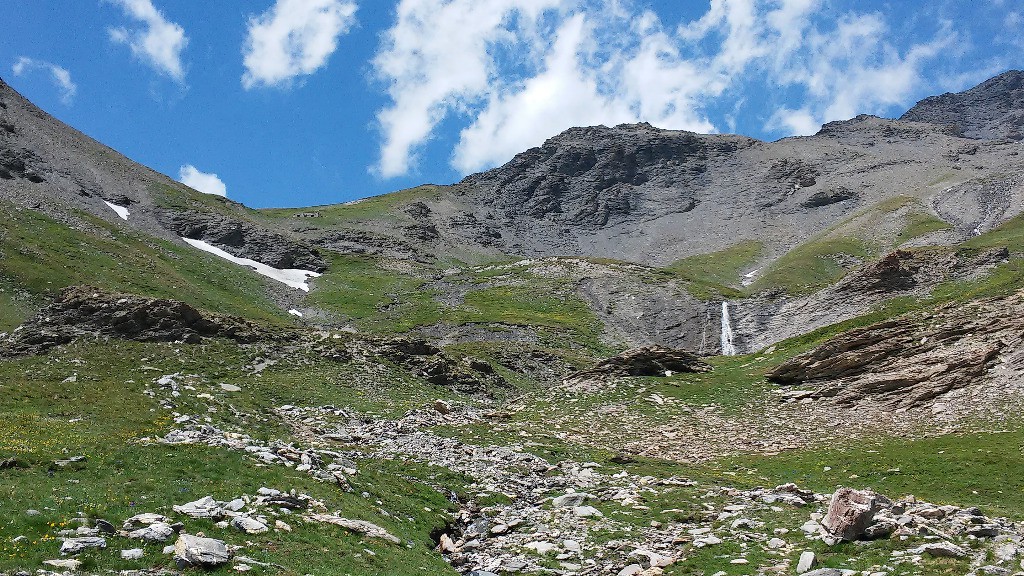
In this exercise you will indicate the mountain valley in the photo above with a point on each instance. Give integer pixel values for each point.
(629, 351)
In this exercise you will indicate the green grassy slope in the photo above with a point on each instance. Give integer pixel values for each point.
(105, 416)
(40, 256)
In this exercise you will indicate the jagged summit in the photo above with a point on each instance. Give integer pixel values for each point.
(992, 110)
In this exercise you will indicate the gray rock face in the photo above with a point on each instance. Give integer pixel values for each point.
(83, 310)
(244, 239)
(586, 177)
(193, 551)
(912, 360)
(992, 110)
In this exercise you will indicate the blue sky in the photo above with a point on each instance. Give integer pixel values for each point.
(305, 102)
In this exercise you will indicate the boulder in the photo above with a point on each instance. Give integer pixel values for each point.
(851, 512)
(70, 565)
(73, 546)
(195, 552)
(358, 526)
(940, 550)
(807, 562)
(132, 554)
(571, 500)
(155, 532)
(249, 525)
(645, 361)
(205, 507)
(140, 520)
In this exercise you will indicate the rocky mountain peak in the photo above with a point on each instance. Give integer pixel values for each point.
(588, 177)
(992, 110)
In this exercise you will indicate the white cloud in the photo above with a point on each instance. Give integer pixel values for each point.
(157, 41)
(294, 38)
(438, 58)
(58, 74)
(853, 69)
(646, 83)
(514, 72)
(202, 181)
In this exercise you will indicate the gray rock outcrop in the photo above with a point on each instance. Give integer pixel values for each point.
(86, 311)
(989, 111)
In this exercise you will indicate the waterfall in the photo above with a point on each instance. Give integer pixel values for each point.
(728, 348)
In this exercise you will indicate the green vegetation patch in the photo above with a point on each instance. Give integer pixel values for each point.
(918, 224)
(813, 265)
(378, 300)
(373, 208)
(527, 306)
(970, 468)
(41, 256)
(88, 399)
(718, 272)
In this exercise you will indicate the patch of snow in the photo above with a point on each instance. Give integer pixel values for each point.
(749, 277)
(290, 276)
(121, 210)
(295, 312)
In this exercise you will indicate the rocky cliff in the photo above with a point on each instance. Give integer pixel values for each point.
(992, 110)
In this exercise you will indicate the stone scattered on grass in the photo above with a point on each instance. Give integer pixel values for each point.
(196, 552)
(358, 526)
(132, 554)
(72, 546)
(69, 564)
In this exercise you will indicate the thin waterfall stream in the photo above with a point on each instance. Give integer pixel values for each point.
(728, 348)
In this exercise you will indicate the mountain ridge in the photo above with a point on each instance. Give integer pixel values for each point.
(822, 205)
(529, 371)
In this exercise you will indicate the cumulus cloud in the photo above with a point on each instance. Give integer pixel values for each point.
(156, 40)
(854, 69)
(202, 181)
(59, 75)
(294, 38)
(517, 71)
(439, 58)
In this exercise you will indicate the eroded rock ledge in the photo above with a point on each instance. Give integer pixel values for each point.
(87, 311)
(911, 360)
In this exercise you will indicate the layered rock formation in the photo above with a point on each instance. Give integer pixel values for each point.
(912, 360)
